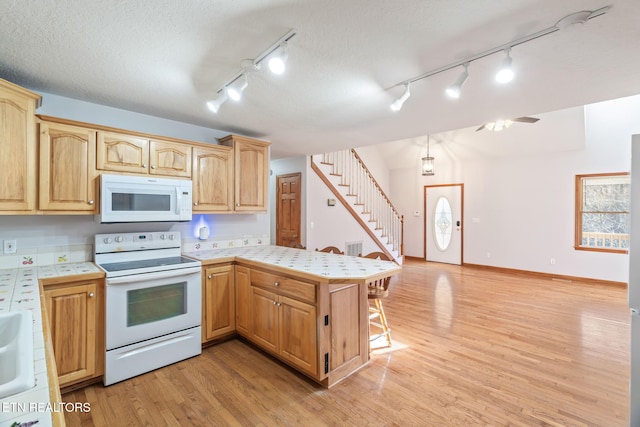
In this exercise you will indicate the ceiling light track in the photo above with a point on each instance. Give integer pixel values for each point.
(568, 20)
(234, 86)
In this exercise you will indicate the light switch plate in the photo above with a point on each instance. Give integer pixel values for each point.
(10, 246)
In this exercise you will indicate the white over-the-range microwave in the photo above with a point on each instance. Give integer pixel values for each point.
(125, 198)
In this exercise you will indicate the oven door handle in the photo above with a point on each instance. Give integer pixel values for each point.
(152, 276)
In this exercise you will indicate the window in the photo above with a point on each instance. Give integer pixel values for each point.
(602, 212)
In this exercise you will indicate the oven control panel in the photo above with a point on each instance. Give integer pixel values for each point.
(125, 242)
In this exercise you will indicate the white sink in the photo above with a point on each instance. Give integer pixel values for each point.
(16, 352)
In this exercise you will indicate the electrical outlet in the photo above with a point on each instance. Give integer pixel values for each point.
(10, 246)
(552, 261)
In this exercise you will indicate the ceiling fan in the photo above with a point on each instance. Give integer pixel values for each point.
(498, 125)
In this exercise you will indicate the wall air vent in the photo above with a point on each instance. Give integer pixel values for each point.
(353, 249)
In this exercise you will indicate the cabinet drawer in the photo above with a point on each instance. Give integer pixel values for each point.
(284, 286)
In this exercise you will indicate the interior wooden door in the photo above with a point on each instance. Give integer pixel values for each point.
(288, 196)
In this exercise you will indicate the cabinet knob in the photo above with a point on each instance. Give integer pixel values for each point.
(275, 303)
(153, 166)
(276, 284)
(91, 294)
(279, 304)
(144, 165)
(195, 203)
(238, 204)
(209, 276)
(91, 202)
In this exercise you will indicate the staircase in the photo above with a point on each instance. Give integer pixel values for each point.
(354, 186)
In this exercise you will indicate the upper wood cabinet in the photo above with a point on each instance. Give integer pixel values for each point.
(212, 179)
(251, 173)
(18, 154)
(67, 168)
(126, 153)
(169, 158)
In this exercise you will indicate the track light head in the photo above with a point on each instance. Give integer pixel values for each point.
(505, 73)
(216, 103)
(397, 104)
(278, 60)
(455, 89)
(235, 89)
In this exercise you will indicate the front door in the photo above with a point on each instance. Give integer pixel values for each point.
(443, 223)
(288, 209)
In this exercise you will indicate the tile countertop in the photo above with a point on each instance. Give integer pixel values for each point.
(19, 290)
(327, 266)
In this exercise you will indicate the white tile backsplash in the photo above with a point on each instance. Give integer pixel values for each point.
(46, 255)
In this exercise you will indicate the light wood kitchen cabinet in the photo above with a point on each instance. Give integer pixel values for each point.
(18, 154)
(218, 302)
(74, 310)
(282, 325)
(68, 179)
(170, 159)
(212, 179)
(243, 300)
(120, 152)
(251, 163)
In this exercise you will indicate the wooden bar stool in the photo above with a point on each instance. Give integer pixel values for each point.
(377, 290)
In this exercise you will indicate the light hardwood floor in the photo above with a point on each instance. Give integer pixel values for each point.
(471, 347)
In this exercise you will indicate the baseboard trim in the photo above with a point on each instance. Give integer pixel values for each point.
(549, 276)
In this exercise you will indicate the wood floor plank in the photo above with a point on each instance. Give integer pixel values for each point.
(471, 347)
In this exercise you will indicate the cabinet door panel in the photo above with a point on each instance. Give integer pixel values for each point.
(212, 179)
(170, 159)
(18, 156)
(219, 302)
(298, 343)
(122, 153)
(73, 322)
(243, 301)
(265, 319)
(252, 162)
(67, 172)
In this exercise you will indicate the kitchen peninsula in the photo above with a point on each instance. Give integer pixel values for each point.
(309, 309)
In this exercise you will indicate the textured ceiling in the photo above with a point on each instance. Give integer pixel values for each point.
(167, 58)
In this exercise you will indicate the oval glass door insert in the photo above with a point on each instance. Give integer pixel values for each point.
(442, 223)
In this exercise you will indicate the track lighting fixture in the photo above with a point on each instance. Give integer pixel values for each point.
(214, 105)
(504, 76)
(238, 83)
(278, 60)
(235, 89)
(505, 73)
(456, 88)
(397, 104)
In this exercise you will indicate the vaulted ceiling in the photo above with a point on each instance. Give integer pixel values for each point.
(168, 58)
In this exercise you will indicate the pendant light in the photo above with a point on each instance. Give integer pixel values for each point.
(428, 163)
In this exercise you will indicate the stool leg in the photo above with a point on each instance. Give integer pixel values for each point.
(383, 321)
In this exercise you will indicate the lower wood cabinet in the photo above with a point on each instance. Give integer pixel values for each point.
(243, 301)
(218, 296)
(286, 327)
(74, 311)
(320, 329)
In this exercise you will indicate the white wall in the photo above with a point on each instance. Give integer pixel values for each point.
(282, 167)
(35, 230)
(331, 225)
(376, 164)
(524, 202)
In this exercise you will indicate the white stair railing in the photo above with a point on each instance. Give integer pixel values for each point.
(365, 193)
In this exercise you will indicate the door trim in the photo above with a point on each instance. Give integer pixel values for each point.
(424, 222)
